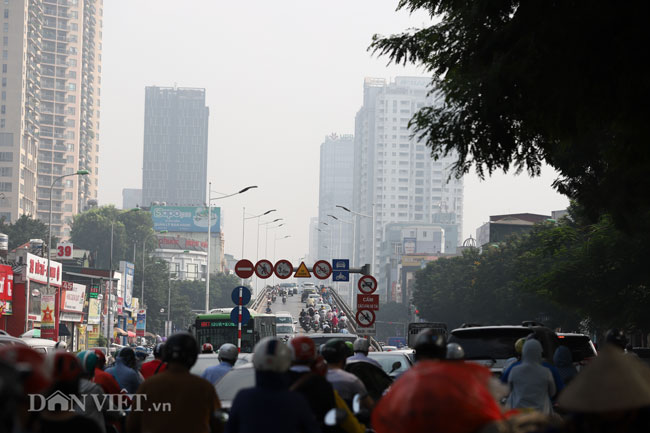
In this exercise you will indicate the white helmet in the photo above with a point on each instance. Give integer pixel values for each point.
(228, 352)
(60, 345)
(271, 354)
(455, 351)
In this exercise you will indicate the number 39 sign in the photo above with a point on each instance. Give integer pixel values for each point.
(64, 250)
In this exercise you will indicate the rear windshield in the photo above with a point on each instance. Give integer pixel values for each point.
(322, 340)
(578, 344)
(488, 343)
(284, 329)
(283, 319)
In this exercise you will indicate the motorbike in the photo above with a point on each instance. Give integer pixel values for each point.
(273, 298)
(314, 325)
(284, 299)
(268, 310)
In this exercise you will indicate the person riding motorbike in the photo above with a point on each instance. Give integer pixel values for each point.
(156, 365)
(284, 299)
(124, 371)
(207, 348)
(430, 345)
(227, 356)
(368, 370)
(193, 401)
(335, 352)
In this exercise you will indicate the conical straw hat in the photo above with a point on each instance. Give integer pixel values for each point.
(613, 381)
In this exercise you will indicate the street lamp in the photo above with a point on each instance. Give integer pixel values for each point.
(243, 226)
(354, 229)
(49, 232)
(266, 240)
(207, 266)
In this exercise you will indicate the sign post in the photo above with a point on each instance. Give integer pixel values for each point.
(367, 305)
(240, 297)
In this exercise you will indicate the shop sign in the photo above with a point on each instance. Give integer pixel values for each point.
(120, 306)
(37, 270)
(48, 317)
(94, 306)
(93, 335)
(6, 308)
(140, 325)
(73, 297)
(70, 317)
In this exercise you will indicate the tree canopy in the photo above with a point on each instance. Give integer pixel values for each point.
(520, 83)
(24, 229)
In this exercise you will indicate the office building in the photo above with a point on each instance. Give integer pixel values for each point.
(131, 198)
(395, 178)
(175, 159)
(501, 227)
(49, 117)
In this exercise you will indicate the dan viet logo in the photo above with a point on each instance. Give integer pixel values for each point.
(60, 402)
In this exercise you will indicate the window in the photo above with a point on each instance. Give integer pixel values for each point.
(5, 27)
(3, 109)
(4, 68)
(67, 207)
(6, 171)
(6, 14)
(5, 40)
(72, 86)
(4, 81)
(2, 123)
(72, 98)
(6, 186)
(5, 54)
(68, 195)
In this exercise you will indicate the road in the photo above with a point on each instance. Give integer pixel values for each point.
(293, 306)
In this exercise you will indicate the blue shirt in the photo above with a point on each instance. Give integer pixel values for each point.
(216, 372)
(125, 376)
(559, 383)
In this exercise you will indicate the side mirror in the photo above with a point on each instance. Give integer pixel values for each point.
(335, 417)
(221, 415)
(396, 366)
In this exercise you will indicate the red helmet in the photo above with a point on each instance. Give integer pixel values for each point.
(303, 349)
(65, 367)
(101, 358)
(30, 361)
(207, 348)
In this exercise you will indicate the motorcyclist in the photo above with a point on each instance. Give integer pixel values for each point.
(193, 401)
(105, 380)
(270, 406)
(140, 356)
(368, 370)
(317, 318)
(455, 352)
(307, 377)
(156, 365)
(284, 299)
(430, 345)
(88, 360)
(335, 352)
(124, 371)
(207, 348)
(227, 356)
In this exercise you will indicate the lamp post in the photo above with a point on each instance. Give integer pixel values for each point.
(266, 240)
(354, 229)
(49, 231)
(243, 229)
(207, 266)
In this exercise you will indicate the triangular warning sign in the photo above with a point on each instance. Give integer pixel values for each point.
(302, 271)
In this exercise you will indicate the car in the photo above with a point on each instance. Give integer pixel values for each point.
(206, 360)
(492, 346)
(240, 377)
(389, 362)
(41, 345)
(387, 348)
(581, 346)
(306, 292)
(295, 290)
(8, 340)
(323, 337)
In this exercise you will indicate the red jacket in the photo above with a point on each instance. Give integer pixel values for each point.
(106, 381)
(148, 369)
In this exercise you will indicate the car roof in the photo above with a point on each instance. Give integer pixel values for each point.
(39, 342)
(11, 339)
(571, 334)
(283, 313)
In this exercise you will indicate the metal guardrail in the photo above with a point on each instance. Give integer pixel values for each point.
(260, 298)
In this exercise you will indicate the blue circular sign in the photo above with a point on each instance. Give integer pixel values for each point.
(245, 293)
(245, 315)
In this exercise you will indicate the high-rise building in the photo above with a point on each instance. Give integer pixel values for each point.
(335, 188)
(395, 178)
(131, 198)
(175, 159)
(49, 119)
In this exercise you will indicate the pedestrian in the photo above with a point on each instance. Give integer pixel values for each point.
(270, 406)
(563, 361)
(176, 400)
(156, 365)
(227, 356)
(531, 384)
(124, 371)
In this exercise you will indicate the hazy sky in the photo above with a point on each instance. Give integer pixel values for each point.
(279, 76)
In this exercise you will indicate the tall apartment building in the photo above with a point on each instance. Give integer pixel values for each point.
(395, 178)
(51, 75)
(175, 159)
(335, 188)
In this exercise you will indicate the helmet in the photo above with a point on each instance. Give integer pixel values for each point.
(127, 355)
(141, 353)
(303, 349)
(361, 345)
(207, 348)
(158, 350)
(616, 337)
(65, 367)
(88, 360)
(181, 348)
(30, 364)
(60, 345)
(101, 358)
(228, 352)
(455, 351)
(336, 350)
(519, 345)
(430, 345)
(271, 354)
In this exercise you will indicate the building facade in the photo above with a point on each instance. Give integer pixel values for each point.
(131, 198)
(175, 159)
(49, 117)
(395, 178)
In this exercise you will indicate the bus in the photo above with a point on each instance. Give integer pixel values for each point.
(216, 328)
(415, 328)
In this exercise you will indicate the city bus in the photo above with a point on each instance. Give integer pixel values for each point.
(216, 328)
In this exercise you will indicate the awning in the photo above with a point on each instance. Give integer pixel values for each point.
(120, 331)
(63, 330)
(130, 334)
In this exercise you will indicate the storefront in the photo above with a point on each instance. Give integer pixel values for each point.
(6, 295)
(73, 296)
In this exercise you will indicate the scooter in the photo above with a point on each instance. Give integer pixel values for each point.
(268, 310)
(314, 325)
(284, 299)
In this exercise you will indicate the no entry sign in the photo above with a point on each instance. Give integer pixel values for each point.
(367, 302)
(244, 269)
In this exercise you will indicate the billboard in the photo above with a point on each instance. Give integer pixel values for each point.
(409, 245)
(127, 270)
(181, 243)
(185, 219)
(141, 323)
(94, 308)
(6, 289)
(73, 297)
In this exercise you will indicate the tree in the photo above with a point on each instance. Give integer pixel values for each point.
(24, 229)
(392, 320)
(520, 83)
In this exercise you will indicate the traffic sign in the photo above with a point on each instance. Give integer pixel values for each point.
(283, 269)
(302, 271)
(263, 269)
(244, 269)
(369, 331)
(367, 284)
(245, 316)
(341, 271)
(365, 318)
(245, 293)
(367, 302)
(322, 269)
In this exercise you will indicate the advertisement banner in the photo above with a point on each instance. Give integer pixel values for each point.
(120, 306)
(70, 317)
(94, 306)
(6, 308)
(37, 270)
(73, 297)
(181, 243)
(409, 245)
(93, 335)
(6, 283)
(82, 337)
(185, 219)
(127, 270)
(47, 317)
(141, 324)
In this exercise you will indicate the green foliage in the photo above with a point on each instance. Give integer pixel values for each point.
(522, 83)
(24, 229)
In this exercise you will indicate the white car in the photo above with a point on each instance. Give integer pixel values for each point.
(284, 324)
(42, 345)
